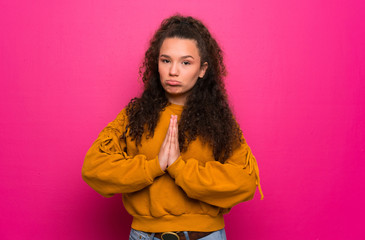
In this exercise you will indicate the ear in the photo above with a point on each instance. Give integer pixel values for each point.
(203, 69)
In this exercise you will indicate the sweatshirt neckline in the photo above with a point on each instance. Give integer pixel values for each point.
(175, 106)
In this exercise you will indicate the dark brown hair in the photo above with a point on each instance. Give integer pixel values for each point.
(206, 113)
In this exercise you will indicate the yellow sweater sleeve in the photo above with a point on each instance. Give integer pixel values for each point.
(222, 185)
(109, 170)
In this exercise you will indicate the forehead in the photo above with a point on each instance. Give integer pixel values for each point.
(179, 47)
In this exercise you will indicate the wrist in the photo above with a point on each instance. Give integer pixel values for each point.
(163, 167)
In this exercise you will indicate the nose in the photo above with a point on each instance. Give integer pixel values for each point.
(174, 70)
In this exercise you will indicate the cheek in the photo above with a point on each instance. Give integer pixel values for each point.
(194, 74)
(161, 70)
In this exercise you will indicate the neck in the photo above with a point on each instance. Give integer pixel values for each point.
(177, 99)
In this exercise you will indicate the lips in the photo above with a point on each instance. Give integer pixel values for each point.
(173, 82)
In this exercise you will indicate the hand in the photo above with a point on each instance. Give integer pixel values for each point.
(174, 145)
(170, 150)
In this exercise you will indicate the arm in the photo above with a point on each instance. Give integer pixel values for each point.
(109, 170)
(222, 185)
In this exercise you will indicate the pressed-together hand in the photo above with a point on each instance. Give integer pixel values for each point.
(170, 150)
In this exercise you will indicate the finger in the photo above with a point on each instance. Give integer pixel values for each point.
(165, 141)
(171, 130)
(177, 134)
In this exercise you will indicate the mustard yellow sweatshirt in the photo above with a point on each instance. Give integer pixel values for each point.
(191, 195)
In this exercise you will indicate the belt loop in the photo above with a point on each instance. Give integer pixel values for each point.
(186, 235)
(151, 236)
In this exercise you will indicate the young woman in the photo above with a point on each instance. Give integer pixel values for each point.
(176, 153)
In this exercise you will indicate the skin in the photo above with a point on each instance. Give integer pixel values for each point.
(169, 150)
(179, 67)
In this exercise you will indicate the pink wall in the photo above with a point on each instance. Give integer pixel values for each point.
(296, 79)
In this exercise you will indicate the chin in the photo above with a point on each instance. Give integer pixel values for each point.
(174, 93)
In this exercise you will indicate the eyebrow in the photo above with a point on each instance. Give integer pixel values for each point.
(183, 57)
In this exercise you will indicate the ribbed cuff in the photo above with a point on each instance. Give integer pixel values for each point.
(176, 167)
(153, 169)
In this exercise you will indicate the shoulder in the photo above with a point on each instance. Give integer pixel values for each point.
(129, 109)
(122, 113)
(119, 122)
(122, 117)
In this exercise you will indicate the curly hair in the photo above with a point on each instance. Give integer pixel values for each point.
(206, 113)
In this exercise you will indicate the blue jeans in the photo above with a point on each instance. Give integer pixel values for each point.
(139, 235)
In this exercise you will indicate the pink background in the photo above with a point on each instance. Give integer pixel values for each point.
(296, 80)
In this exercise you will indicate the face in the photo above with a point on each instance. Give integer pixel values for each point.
(179, 66)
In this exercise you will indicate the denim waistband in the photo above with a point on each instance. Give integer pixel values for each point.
(140, 235)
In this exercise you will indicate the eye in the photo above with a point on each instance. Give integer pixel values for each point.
(186, 63)
(165, 60)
